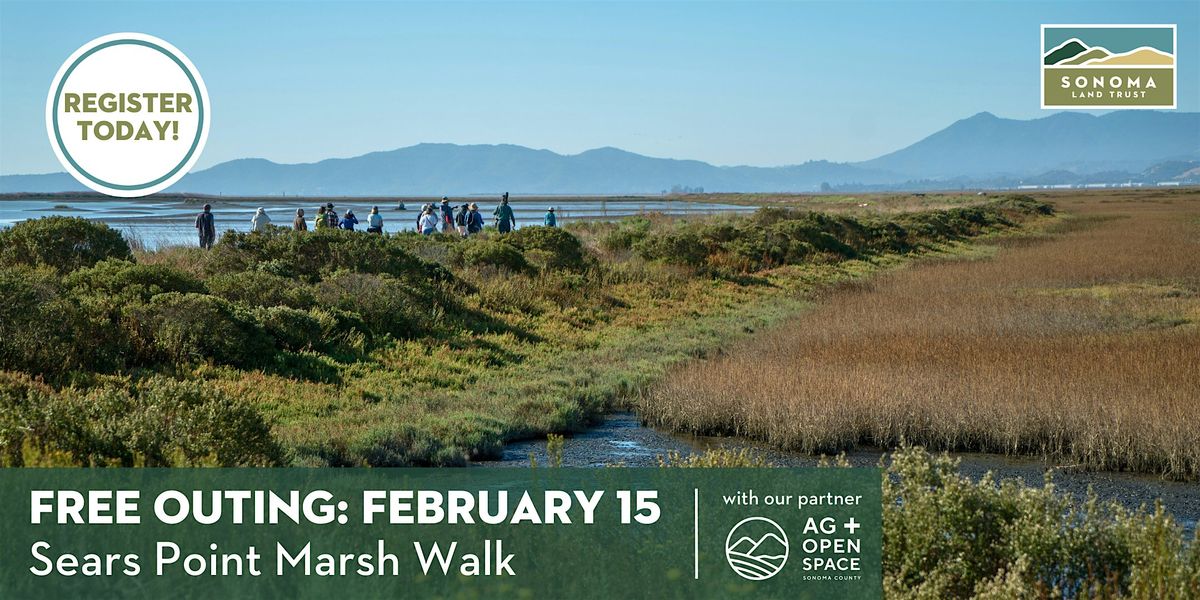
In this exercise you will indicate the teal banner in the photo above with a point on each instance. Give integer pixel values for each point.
(437, 533)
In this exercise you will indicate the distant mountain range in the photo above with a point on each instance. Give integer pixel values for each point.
(988, 146)
(980, 148)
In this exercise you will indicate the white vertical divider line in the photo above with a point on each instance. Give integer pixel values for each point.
(696, 534)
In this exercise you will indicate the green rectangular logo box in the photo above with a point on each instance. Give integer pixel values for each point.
(438, 533)
(1109, 66)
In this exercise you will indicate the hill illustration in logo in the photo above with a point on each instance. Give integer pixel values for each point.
(1074, 52)
(1082, 57)
(1140, 57)
(756, 548)
(1065, 51)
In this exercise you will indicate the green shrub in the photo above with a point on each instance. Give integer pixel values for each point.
(35, 321)
(1023, 204)
(807, 232)
(64, 243)
(401, 446)
(888, 236)
(157, 422)
(102, 295)
(341, 329)
(851, 232)
(957, 223)
(46, 331)
(22, 402)
(187, 328)
(946, 536)
(681, 246)
(278, 267)
(128, 280)
(549, 247)
(770, 215)
(479, 252)
(627, 233)
(387, 305)
(206, 425)
(716, 235)
(759, 248)
(316, 254)
(292, 329)
(261, 288)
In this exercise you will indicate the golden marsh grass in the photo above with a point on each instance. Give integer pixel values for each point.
(1081, 343)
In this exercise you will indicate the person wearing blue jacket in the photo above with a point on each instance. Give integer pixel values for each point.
(550, 220)
(447, 215)
(474, 220)
(207, 228)
(349, 221)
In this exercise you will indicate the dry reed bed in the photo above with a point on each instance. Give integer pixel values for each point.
(1081, 343)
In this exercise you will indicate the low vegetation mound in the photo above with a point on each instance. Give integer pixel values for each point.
(774, 237)
(310, 256)
(62, 243)
(156, 422)
(491, 253)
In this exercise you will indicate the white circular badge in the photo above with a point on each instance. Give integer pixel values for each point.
(127, 114)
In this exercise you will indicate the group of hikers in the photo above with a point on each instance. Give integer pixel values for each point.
(466, 220)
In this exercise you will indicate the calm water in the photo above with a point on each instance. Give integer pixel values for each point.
(161, 222)
(622, 439)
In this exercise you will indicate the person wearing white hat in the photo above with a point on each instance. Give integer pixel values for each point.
(474, 220)
(260, 220)
(550, 220)
(447, 215)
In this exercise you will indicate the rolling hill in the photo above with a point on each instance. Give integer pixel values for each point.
(979, 148)
(986, 145)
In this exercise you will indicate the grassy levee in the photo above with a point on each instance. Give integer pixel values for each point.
(340, 348)
(1081, 343)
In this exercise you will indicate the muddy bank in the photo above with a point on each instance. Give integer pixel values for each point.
(621, 439)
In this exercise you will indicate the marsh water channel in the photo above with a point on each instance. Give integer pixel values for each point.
(154, 221)
(622, 439)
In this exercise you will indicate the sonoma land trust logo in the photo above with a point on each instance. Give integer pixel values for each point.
(1108, 66)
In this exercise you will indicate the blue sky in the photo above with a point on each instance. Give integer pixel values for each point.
(724, 82)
